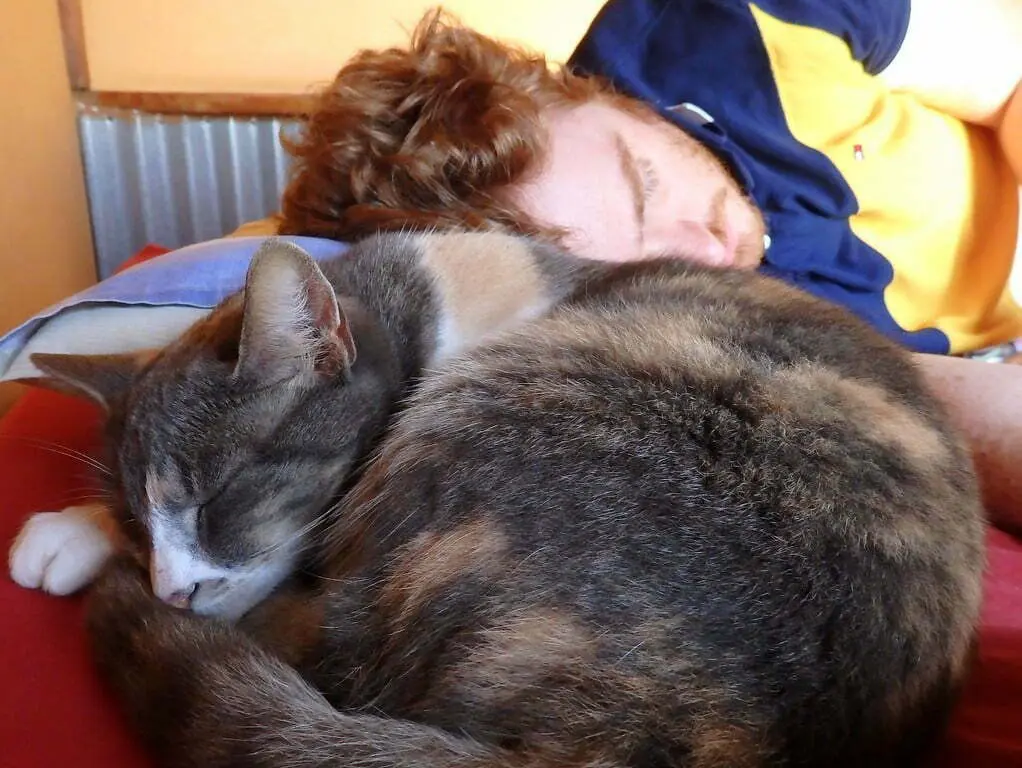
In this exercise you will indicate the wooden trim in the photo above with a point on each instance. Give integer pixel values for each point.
(72, 29)
(212, 104)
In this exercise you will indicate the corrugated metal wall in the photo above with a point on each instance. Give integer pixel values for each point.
(175, 180)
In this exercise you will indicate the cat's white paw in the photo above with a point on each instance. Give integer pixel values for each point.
(60, 552)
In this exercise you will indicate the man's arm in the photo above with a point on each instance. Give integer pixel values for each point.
(983, 400)
(965, 59)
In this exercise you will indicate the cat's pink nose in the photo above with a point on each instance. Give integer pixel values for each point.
(182, 598)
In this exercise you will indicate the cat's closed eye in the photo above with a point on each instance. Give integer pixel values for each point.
(207, 526)
(203, 522)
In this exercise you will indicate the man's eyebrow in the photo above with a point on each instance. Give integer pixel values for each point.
(633, 176)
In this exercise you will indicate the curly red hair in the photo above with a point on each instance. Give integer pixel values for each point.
(427, 136)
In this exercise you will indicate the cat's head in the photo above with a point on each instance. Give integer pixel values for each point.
(229, 444)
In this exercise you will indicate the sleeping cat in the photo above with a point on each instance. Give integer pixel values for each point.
(685, 517)
(296, 376)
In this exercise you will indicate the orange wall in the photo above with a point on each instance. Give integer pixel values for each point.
(45, 245)
(287, 45)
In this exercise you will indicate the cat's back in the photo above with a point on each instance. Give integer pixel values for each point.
(442, 293)
(698, 387)
(714, 484)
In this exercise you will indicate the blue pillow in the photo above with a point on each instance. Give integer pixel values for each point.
(144, 306)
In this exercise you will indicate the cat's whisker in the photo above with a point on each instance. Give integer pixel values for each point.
(399, 526)
(64, 450)
(87, 498)
(89, 494)
(631, 650)
(529, 556)
(301, 533)
(91, 489)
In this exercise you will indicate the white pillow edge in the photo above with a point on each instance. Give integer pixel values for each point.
(95, 329)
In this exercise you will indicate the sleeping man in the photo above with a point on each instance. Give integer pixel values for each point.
(864, 150)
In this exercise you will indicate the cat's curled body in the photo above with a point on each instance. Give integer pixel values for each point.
(690, 518)
(225, 446)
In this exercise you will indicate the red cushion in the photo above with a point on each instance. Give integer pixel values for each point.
(150, 251)
(54, 712)
(987, 728)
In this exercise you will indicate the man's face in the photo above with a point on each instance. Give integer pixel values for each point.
(626, 187)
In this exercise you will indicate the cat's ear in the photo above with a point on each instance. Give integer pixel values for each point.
(292, 324)
(104, 378)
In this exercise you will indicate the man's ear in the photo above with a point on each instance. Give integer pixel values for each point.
(104, 378)
(292, 324)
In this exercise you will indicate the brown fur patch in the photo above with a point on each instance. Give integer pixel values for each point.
(960, 599)
(876, 416)
(488, 282)
(102, 516)
(650, 339)
(770, 292)
(160, 489)
(289, 624)
(522, 649)
(893, 424)
(812, 393)
(535, 635)
(433, 560)
(725, 745)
